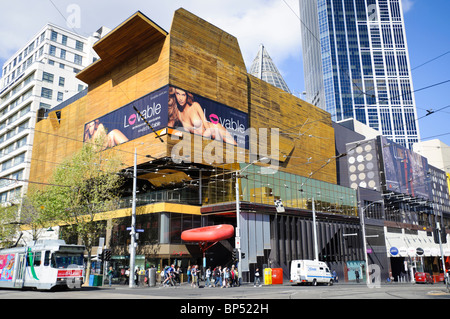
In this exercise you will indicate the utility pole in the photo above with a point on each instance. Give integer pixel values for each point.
(133, 225)
(316, 249)
(238, 215)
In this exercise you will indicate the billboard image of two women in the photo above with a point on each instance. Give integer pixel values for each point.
(174, 108)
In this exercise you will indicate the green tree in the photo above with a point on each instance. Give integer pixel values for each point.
(8, 225)
(81, 189)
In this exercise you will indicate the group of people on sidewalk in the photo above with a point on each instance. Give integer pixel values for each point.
(225, 277)
(218, 277)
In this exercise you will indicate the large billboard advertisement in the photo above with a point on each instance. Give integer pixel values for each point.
(198, 115)
(175, 108)
(405, 171)
(125, 124)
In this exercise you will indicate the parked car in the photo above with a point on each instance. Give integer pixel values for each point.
(423, 278)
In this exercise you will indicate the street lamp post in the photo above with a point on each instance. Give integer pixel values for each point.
(133, 225)
(366, 258)
(238, 212)
(439, 235)
(363, 229)
(316, 248)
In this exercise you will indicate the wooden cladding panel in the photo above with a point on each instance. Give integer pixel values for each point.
(305, 130)
(133, 35)
(143, 73)
(207, 61)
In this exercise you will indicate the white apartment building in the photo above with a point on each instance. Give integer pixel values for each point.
(437, 153)
(36, 78)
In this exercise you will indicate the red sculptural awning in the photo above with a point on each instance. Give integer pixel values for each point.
(208, 234)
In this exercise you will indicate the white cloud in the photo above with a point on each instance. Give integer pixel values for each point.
(252, 21)
(407, 5)
(271, 23)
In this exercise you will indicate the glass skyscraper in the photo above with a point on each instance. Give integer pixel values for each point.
(356, 64)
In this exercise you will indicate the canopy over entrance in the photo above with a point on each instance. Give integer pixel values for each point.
(208, 236)
(211, 234)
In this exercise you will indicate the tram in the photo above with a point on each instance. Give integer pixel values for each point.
(42, 264)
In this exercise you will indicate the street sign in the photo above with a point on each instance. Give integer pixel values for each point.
(394, 251)
(238, 243)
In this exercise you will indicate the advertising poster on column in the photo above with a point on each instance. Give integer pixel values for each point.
(210, 119)
(405, 171)
(125, 124)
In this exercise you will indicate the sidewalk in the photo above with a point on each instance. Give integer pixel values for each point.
(186, 285)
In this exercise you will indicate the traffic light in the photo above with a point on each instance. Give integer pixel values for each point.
(234, 254)
(440, 232)
(107, 255)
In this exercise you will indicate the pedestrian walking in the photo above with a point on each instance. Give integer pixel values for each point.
(357, 276)
(127, 276)
(188, 273)
(110, 275)
(257, 278)
(136, 276)
(335, 276)
(208, 277)
(225, 277)
(218, 274)
(233, 276)
(194, 273)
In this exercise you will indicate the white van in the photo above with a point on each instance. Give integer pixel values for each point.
(310, 272)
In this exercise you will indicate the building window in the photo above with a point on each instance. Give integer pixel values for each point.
(78, 59)
(54, 36)
(46, 93)
(60, 96)
(79, 45)
(45, 106)
(63, 54)
(52, 50)
(64, 39)
(47, 77)
(62, 81)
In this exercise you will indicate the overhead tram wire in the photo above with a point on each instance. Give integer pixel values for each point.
(430, 112)
(429, 61)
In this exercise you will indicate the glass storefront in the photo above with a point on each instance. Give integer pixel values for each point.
(295, 191)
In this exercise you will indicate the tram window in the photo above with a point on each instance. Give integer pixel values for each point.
(47, 258)
(37, 259)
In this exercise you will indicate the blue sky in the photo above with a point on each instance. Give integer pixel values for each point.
(273, 23)
(428, 34)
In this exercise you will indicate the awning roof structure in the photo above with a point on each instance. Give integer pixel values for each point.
(208, 234)
(136, 33)
(406, 245)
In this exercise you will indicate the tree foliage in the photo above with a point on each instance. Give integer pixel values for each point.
(8, 225)
(82, 188)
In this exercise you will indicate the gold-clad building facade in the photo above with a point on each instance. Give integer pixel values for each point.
(137, 58)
